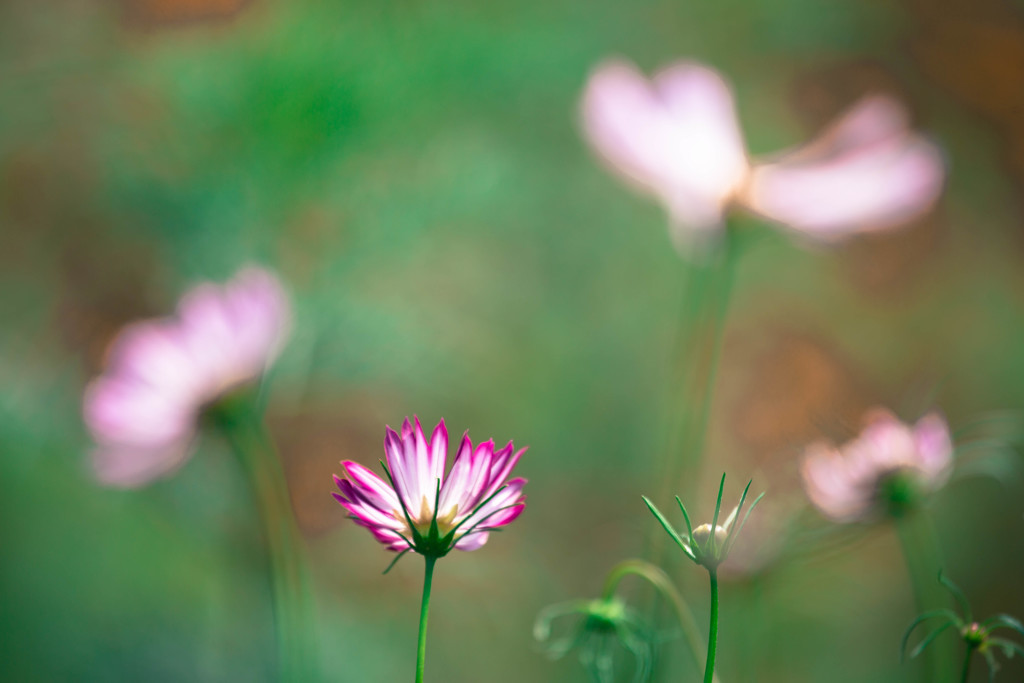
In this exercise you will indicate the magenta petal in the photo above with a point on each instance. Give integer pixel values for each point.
(394, 451)
(415, 464)
(371, 486)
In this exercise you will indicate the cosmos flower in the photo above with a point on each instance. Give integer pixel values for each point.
(976, 635)
(887, 468)
(603, 629)
(144, 410)
(419, 508)
(676, 137)
(701, 545)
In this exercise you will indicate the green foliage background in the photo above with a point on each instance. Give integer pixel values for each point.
(415, 173)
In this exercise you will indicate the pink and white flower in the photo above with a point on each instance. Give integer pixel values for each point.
(887, 466)
(143, 411)
(422, 509)
(676, 136)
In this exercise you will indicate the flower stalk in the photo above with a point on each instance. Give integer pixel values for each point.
(421, 647)
(705, 307)
(708, 545)
(922, 556)
(239, 420)
(661, 583)
(709, 667)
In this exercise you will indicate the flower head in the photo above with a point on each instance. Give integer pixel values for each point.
(977, 636)
(603, 627)
(702, 545)
(143, 411)
(676, 136)
(888, 467)
(419, 508)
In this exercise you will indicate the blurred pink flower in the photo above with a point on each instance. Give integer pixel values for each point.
(143, 411)
(423, 510)
(676, 136)
(889, 464)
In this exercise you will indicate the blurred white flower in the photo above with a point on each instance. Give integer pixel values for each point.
(676, 136)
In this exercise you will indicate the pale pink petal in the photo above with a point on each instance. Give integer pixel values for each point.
(934, 447)
(143, 410)
(829, 486)
(134, 414)
(154, 353)
(473, 541)
(676, 138)
(133, 467)
(868, 173)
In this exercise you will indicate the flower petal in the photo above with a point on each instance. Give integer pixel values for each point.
(866, 173)
(676, 137)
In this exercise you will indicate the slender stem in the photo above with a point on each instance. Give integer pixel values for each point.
(701, 324)
(709, 668)
(922, 555)
(663, 584)
(967, 664)
(421, 648)
(242, 426)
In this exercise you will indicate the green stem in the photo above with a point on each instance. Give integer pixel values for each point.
(421, 648)
(922, 555)
(241, 424)
(702, 323)
(663, 584)
(967, 664)
(709, 668)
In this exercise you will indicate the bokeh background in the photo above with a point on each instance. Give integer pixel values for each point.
(415, 172)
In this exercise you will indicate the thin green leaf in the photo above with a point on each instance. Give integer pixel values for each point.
(686, 518)
(730, 521)
(1003, 621)
(928, 639)
(477, 509)
(947, 613)
(668, 528)
(397, 558)
(743, 522)
(993, 665)
(958, 594)
(1008, 646)
(401, 502)
(714, 521)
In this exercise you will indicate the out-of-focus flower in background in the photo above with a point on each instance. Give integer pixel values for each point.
(602, 627)
(676, 136)
(886, 469)
(422, 509)
(143, 411)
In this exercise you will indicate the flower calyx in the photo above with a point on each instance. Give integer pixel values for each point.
(976, 635)
(702, 545)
